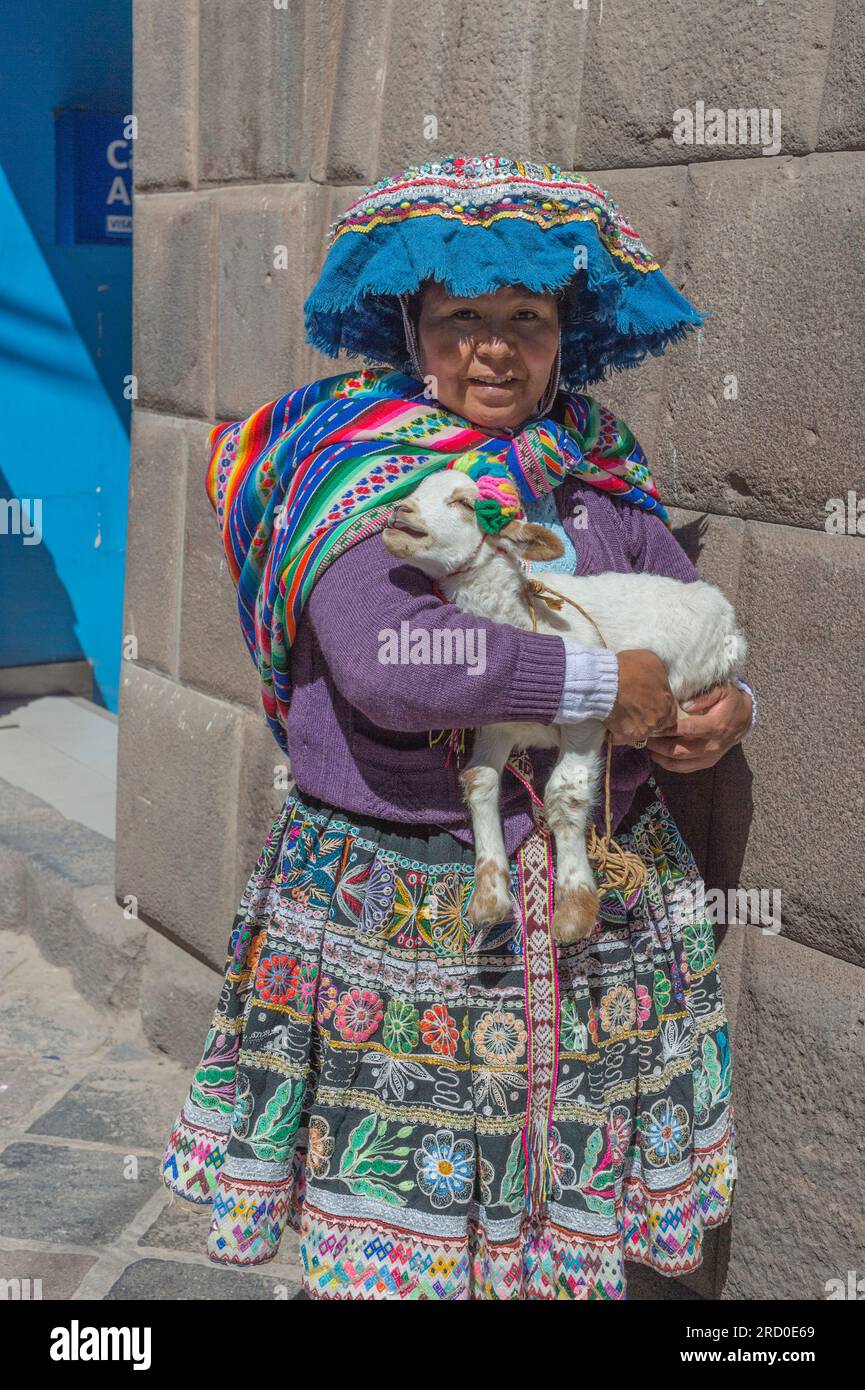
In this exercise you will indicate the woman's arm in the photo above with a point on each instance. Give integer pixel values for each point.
(723, 716)
(368, 607)
(651, 546)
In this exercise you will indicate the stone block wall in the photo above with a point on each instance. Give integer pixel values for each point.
(258, 122)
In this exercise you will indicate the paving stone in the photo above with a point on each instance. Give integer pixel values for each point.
(737, 55)
(43, 1014)
(798, 1218)
(25, 818)
(129, 1050)
(177, 807)
(74, 926)
(29, 1084)
(181, 1226)
(15, 876)
(128, 1103)
(17, 804)
(172, 325)
(789, 442)
(53, 1274)
(62, 848)
(78, 1196)
(164, 63)
(173, 1281)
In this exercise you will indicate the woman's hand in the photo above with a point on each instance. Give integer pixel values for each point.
(645, 704)
(715, 722)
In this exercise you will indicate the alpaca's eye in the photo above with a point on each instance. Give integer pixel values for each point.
(466, 502)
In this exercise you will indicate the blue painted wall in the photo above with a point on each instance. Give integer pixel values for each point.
(65, 349)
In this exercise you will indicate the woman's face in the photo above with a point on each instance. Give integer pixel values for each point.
(491, 357)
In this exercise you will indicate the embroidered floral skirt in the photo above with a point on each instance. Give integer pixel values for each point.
(446, 1114)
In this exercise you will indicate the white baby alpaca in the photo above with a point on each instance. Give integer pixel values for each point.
(691, 627)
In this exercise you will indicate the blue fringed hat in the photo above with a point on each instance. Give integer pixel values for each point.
(475, 224)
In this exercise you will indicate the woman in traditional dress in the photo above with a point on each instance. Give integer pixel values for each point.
(447, 1112)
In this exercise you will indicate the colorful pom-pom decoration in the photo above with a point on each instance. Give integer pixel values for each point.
(498, 499)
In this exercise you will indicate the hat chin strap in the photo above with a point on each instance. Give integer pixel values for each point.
(410, 337)
(545, 404)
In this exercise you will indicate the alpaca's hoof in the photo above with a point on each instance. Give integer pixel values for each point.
(491, 899)
(576, 913)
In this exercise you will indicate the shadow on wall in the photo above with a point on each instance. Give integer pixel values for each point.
(20, 320)
(31, 586)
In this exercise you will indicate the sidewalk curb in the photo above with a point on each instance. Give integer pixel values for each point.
(58, 878)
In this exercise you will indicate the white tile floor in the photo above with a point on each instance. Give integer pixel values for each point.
(63, 749)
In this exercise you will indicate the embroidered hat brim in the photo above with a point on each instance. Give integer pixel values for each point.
(477, 224)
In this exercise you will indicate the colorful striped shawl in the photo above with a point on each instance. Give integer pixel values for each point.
(319, 469)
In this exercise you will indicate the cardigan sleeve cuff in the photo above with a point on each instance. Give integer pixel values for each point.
(591, 683)
(743, 685)
(535, 684)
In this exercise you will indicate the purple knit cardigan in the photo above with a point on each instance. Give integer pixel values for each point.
(358, 730)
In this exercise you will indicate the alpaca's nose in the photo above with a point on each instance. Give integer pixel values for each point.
(405, 517)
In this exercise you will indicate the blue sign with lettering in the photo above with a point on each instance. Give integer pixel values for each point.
(93, 155)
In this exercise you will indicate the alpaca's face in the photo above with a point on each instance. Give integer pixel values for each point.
(436, 530)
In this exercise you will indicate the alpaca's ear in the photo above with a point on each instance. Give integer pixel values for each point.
(535, 542)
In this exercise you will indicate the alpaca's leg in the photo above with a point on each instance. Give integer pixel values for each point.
(481, 781)
(568, 799)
